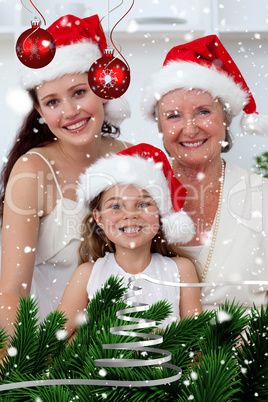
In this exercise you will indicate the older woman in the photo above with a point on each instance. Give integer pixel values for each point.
(194, 98)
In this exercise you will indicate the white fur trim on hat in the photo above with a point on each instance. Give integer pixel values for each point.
(71, 59)
(143, 173)
(188, 75)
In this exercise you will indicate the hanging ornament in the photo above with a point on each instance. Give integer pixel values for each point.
(109, 77)
(35, 47)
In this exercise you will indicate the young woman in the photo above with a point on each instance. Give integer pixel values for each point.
(130, 225)
(68, 128)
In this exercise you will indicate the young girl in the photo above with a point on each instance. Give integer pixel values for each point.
(68, 128)
(130, 225)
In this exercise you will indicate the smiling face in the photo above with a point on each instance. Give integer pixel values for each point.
(70, 109)
(128, 216)
(193, 126)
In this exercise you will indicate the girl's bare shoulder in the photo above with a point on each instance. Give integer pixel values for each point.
(186, 269)
(83, 272)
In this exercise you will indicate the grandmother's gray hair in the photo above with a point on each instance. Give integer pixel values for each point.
(228, 118)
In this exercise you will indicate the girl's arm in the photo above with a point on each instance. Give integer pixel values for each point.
(23, 202)
(190, 297)
(75, 297)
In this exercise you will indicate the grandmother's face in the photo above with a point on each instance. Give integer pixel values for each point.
(193, 126)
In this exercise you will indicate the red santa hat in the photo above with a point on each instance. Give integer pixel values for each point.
(79, 43)
(205, 64)
(146, 167)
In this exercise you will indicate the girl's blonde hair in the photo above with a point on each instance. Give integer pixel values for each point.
(95, 243)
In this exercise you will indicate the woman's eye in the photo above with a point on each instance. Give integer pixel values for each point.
(144, 205)
(172, 115)
(204, 111)
(51, 103)
(79, 92)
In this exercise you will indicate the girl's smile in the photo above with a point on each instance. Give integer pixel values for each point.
(128, 212)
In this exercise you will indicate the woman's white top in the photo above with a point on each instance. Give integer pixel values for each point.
(241, 250)
(160, 268)
(56, 252)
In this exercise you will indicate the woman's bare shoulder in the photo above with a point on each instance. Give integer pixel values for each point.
(30, 162)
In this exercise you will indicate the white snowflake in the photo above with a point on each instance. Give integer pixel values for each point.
(108, 78)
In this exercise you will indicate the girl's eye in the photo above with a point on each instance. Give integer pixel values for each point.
(115, 206)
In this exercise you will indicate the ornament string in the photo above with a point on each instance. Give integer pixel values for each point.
(25, 6)
(111, 33)
(36, 20)
(194, 285)
(38, 12)
(27, 37)
(107, 15)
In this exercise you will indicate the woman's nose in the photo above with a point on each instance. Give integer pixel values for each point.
(190, 126)
(70, 108)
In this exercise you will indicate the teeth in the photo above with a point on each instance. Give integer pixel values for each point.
(192, 144)
(77, 125)
(131, 230)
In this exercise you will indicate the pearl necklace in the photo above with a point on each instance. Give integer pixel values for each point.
(216, 225)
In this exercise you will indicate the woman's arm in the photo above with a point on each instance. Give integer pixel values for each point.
(75, 297)
(23, 201)
(190, 297)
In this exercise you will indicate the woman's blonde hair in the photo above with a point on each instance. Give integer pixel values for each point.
(95, 243)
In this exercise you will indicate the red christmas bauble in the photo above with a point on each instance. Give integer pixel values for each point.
(109, 77)
(35, 47)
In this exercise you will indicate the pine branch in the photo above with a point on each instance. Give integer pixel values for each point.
(105, 298)
(3, 338)
(212, 379)
(253, 357)
(186, 332)
(221, 374)
(227, 325)
(49, 341)
(23, 342)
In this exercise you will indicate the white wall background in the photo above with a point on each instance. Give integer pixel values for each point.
(145, 54)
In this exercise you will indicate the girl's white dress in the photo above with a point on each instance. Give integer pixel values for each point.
(160, 268)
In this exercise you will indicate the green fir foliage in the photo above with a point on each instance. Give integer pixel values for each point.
(261, 166)
(223, 354)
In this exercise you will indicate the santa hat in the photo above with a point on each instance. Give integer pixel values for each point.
(146, 167)
(79, 43)
(205, 64)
